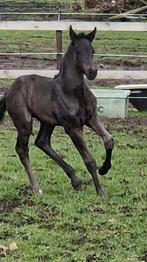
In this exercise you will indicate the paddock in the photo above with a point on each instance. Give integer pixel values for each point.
(64, 225)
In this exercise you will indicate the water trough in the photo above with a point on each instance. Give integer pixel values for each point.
(112, 103)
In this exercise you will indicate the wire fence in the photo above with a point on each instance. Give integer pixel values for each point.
(63, 15)
(62, 53)
(71, 13)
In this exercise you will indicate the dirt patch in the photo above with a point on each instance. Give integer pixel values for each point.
(6, 207)
(26, 62)
(121, 65)
(109, 6)
(131, 125)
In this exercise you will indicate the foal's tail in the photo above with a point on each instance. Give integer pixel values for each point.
(2, 108)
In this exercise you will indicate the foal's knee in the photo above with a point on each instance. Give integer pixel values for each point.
(108, 141)
(22, 144)
(21, 150)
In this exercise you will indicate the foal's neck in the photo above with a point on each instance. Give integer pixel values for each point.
(69, 75)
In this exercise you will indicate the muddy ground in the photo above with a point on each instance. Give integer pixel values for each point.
(134, 124)
(26, 62)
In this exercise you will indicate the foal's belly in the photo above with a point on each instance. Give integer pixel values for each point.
(72, 118)
(60, 110)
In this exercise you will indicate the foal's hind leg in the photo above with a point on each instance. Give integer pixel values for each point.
(98, 127)
(43, 141)
(24, 128)
(76, 136)
(23, 150)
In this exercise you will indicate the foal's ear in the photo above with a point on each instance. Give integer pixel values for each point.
(72, 34)
(91, 35)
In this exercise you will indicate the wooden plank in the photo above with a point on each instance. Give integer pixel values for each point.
(102, 74)
(12, 74)
(64, 25)
(132, 87)
(121, 74)
(62, 53)
(134, 11)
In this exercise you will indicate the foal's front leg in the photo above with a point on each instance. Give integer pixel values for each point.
(76, 136)
(43, 141)
(98, 127)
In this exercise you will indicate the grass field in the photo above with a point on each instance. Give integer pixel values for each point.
(116, 42)
(36, 5)
(63, 225)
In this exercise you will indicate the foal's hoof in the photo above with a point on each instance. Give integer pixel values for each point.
(104, 170)
(39, 192)
(77, 184)
(36, 190)
(101, 192)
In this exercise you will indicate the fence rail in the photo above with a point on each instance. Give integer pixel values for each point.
(61, 53)
(64, 26)
(102, 74)
(71, 13)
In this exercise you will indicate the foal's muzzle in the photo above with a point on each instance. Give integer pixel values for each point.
(90, 72)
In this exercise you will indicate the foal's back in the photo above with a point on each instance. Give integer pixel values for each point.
(31, 94)
(29, 85)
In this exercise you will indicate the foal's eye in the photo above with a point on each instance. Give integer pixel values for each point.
(78, 52)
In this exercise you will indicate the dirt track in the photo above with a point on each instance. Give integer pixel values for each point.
(26, 62)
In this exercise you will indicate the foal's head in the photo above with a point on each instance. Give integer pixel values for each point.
(84, 52)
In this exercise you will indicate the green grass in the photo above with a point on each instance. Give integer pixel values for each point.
(105, 42)
(51, 5)
(64, 225)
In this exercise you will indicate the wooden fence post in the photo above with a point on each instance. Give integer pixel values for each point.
(59, 47)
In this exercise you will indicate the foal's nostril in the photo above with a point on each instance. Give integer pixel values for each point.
(91, 71)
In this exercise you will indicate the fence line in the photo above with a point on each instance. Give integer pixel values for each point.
(60, 26)
(61, 53)
(64, 26)
(69, 13)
